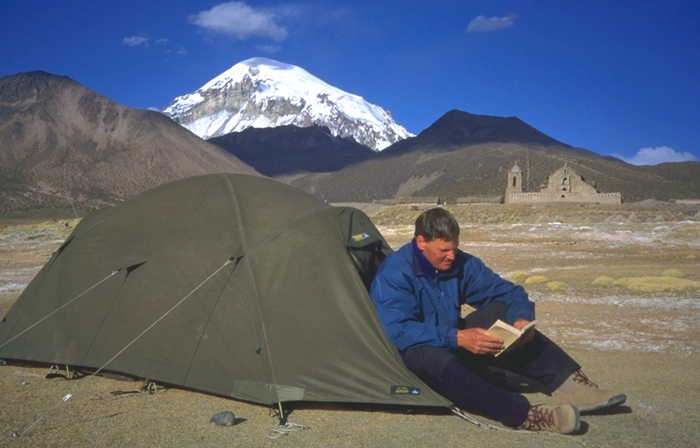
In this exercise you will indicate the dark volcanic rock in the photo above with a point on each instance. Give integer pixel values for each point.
(457, 128)
(291, 150)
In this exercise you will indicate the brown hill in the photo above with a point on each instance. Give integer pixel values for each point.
(63, 145)
(466, 155)
(455, 145)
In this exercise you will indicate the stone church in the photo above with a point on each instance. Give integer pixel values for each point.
(564, 185)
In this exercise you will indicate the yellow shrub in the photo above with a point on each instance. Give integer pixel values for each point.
(557, 286)
(518, 276)
(622, 282)
(672, 273)
(661, 284)
(536, 279)
(603, 281)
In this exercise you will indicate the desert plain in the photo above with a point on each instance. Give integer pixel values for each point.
(617, 286)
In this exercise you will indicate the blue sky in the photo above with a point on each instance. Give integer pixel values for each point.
(617, 77)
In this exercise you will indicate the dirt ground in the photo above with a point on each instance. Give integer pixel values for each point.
(580, 269)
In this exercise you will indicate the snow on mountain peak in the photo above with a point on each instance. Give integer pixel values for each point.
(261, 93)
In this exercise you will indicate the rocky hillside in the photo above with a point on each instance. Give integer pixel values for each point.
(466, 155)
(63, 145)
(456, 144)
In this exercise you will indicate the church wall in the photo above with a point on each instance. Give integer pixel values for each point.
(577, 184)
(564, 185)
(546, 197)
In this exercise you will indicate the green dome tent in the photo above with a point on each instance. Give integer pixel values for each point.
(234, 285)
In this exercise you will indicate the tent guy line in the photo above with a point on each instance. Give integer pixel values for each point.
(302, 268)
(61, 307)
(69, 396)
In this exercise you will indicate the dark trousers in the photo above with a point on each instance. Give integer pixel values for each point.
(455, 374)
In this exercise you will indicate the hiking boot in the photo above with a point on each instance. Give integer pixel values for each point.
(581, 392)
(563, 419)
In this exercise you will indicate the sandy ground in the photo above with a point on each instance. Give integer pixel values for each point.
(643, 343)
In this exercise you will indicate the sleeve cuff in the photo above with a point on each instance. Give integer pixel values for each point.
(452, 334)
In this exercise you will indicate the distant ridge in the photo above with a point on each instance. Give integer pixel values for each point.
(468, 155)
(64, 145)
(458, 127)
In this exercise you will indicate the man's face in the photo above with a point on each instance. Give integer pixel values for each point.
(440, 253)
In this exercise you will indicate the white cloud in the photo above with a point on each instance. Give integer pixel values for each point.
(660, 154)
(135, 41)
(162, 41)
(269, 48)
(483, 24)
(181, 52)
(240, 20)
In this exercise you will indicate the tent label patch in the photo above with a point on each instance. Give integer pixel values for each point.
(405, 390)
(360, 236)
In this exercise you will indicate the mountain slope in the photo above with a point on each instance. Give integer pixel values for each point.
(292, 151)
(262, 93)
(458, 128)
(456, 144)
(62, 144)
(464, 155)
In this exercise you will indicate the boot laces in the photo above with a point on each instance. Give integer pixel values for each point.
(581, 378)
(540, 417)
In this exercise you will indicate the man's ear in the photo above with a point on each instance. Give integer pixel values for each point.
(420, 242)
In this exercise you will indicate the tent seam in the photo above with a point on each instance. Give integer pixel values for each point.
(251, 278)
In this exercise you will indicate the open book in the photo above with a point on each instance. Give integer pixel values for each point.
(508, 333)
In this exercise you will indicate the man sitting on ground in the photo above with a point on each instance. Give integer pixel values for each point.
(418, 292)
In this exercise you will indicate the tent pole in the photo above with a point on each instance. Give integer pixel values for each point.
(283, 418)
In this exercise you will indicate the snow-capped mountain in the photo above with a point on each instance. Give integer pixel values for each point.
(262, 93)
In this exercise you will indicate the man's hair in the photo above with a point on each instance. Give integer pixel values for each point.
(437, 223)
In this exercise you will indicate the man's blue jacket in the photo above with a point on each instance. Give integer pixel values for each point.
(423, 308)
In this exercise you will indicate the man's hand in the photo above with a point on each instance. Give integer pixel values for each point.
(527, 337)
(478, 341)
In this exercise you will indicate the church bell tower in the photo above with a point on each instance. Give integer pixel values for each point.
(515, 182)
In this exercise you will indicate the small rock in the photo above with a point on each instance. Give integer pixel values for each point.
(224, 418)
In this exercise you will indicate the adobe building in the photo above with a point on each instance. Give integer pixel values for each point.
(564, 185)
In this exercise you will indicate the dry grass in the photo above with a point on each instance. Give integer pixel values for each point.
(642, 332)
(542, 214)
(50, 229)
(691, 230)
